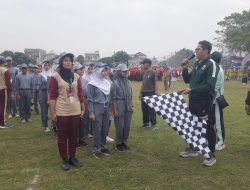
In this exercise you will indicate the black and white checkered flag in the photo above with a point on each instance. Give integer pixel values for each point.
(174, 111)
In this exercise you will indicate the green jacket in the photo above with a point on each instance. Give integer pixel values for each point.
(202, 79)
(248, 98)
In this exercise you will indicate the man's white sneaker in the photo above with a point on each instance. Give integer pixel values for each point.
(209, 162)
(10, 116)
(108, 139)
(220, 147)
(188, 153)
(23, 121)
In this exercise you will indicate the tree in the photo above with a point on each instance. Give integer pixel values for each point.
(175, 59)
(108, 60)
(51, 56)
(18, 57)
(235, 33)
(80, 59)
(120, 57)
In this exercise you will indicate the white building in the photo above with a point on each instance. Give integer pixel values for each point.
(37, 54)
(91, 57)
(136, 59)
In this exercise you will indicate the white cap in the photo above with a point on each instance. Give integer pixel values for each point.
(122, 67)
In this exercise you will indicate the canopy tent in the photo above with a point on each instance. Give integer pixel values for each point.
(245, 62)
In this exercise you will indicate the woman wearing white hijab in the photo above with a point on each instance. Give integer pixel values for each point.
(43, 90)
(87, 77)
(99, 108)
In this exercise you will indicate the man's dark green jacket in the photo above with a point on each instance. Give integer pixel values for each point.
(202, 79)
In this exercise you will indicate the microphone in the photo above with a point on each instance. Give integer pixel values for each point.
(189, 59)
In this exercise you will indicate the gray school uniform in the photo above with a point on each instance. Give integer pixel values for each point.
(98, 104)
(122, 100)
(23, 87)
(35, 88)
(43, 89)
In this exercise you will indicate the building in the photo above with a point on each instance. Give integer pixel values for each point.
(92, 57)
(37, 54)
(136, 59)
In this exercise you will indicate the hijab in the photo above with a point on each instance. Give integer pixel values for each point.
(100, 82)
(44, 73)
(66, 74)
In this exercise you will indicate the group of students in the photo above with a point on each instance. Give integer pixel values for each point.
(82, 101)
(79, 97)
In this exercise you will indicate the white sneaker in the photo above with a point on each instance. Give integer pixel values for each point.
(108, 139)
(90, 136)
(47, 129)
(10, 116)
(17, 115)
(209, 162)
(2, 127)
(220, 147)
(188, 153)
(23, 121)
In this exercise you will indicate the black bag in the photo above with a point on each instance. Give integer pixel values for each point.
(222, 102)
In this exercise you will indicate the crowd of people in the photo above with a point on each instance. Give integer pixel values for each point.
(83, 99)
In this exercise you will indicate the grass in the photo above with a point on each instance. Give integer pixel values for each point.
(152, 162)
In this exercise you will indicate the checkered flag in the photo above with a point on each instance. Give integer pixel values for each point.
(174, 111)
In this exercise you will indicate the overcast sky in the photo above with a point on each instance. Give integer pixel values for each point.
(154, 27)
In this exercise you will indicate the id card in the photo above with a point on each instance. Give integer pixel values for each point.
(71, 99)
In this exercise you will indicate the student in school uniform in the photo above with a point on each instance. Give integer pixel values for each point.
(35, 89)
(122, 105)
(24, 93)
(66, 108)
(5, 92)
(99, 108)
(79, 69)
(87, 77)
(43, 90)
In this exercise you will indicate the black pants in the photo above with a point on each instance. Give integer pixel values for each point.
(148, 114)
(201, 108)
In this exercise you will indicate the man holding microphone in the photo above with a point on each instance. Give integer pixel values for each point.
(201, 92)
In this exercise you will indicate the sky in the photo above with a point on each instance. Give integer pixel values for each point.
(154, 27)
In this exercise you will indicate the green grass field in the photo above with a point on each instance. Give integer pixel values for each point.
(29, 156)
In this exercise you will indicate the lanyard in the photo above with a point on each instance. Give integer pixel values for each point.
(70, 86)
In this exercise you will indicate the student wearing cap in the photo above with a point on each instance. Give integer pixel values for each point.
(87, 77)
(35, 87)
(149, 88)
(122, 105)
(12, 106)
(66, 108)
(30, 69)
(216, 109)
(24, 93)
(43, 90)
(5, 92)
(40, 67)
(79, 69)
(99, 108)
